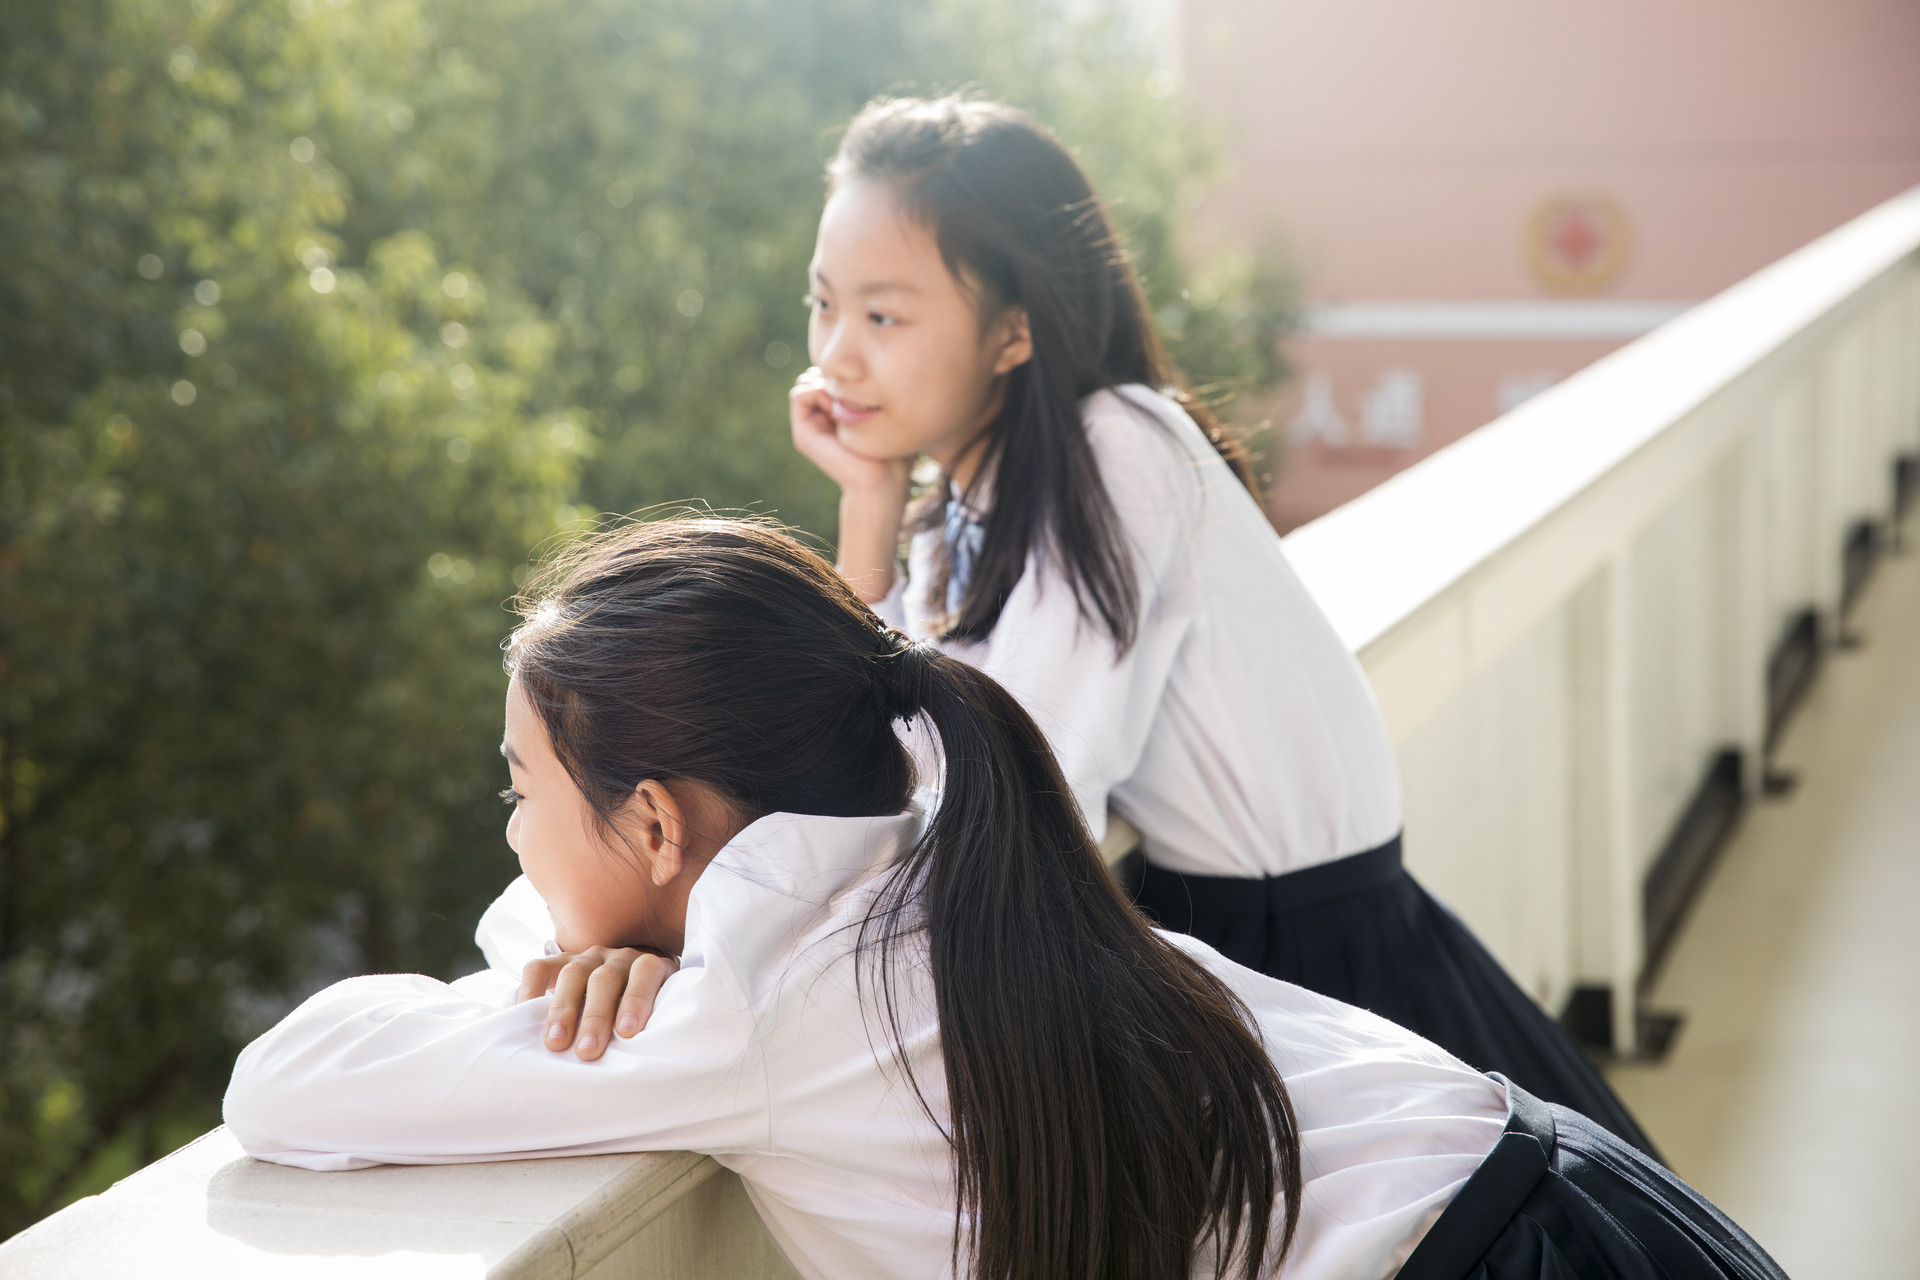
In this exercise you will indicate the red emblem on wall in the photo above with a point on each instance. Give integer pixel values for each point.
(1577, 243)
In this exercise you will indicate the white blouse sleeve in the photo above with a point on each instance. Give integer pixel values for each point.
(406, 1070)
(1096, 704)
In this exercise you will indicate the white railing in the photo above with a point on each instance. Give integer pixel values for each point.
(1570, 616)
(1582, 619)
(209, 1212)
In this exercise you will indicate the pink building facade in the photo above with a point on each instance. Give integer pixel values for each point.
(1482, 197)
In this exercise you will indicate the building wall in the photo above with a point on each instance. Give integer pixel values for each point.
(1404, 153)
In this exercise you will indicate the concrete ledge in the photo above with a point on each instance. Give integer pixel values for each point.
(210, 1211)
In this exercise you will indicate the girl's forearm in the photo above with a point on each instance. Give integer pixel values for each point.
(870, 538)
(401, 1069)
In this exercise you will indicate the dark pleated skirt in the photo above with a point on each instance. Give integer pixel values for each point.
(1560, 1198)
(1360, 929)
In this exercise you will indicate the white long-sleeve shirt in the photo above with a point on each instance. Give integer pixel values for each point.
(761, 1054)
(1238, 734)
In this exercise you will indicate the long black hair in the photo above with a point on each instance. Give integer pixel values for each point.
(1112, 1106)
(1016, 218)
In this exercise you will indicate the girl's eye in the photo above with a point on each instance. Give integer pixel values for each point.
(880, 320)
(813, 302)
(510, 796)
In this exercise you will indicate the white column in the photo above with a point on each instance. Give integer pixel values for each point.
(1623, 862)
(1748, 624)
(1828, 526)
(1906, 360)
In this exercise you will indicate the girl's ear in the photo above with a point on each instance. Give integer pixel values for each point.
(658, 831)
(1015, 336)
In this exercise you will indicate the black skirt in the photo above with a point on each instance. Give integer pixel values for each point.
(1559, 1197)
(1360, 929)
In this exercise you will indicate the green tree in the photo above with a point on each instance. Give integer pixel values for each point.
(256, 518)
(317, 317)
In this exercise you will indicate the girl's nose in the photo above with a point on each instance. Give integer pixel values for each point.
(835, 354)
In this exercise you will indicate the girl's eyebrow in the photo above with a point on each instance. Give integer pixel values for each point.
(512, 759)
(867, 290)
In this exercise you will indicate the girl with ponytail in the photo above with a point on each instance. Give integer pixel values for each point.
(1092, 548)
(929, 1033)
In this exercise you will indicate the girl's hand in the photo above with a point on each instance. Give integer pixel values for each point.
(597, 994)
(873, 491)
(815, 435)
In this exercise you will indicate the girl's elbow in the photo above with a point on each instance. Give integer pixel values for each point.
(279, 1098)
(278, 1121)
(256, 1104)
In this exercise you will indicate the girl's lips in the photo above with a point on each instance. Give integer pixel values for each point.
(846, 412)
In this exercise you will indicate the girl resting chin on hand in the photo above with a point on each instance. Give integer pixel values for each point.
(1091, 549)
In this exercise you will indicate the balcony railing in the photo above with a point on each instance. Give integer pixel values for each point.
(210, 1212)
(1584, 622)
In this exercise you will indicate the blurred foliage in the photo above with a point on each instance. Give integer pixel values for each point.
(317, 316)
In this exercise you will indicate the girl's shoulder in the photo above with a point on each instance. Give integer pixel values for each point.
(1136, 422)
(1134, 407)
(1147, 446)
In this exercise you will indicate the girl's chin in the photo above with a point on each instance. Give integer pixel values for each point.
(573, 941)
(612, 938)
(872, 444)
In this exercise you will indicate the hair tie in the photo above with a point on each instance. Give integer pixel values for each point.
(902, 673)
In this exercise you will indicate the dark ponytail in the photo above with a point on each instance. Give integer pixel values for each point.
(1015, 217)
(1112, 1106)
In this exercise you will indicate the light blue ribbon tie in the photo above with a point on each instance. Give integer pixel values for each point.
(963, 536)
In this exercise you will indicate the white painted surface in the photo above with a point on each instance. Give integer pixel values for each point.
(1119, 840)
(1567, 613)
(1474, 320)
(210, 1212)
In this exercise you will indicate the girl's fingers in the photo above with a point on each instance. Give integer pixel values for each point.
(604, 986)
(536, 978)
(809, 394)
(809, 404)
(596, 993)
(812, 423)
(649, 973)
(569, 995)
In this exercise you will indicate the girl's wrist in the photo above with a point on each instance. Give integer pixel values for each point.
(872, 517)
(873, 512)
(869, 586)
(870, 540)
(882, 493)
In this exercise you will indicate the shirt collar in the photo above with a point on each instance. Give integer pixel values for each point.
(785, 873)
